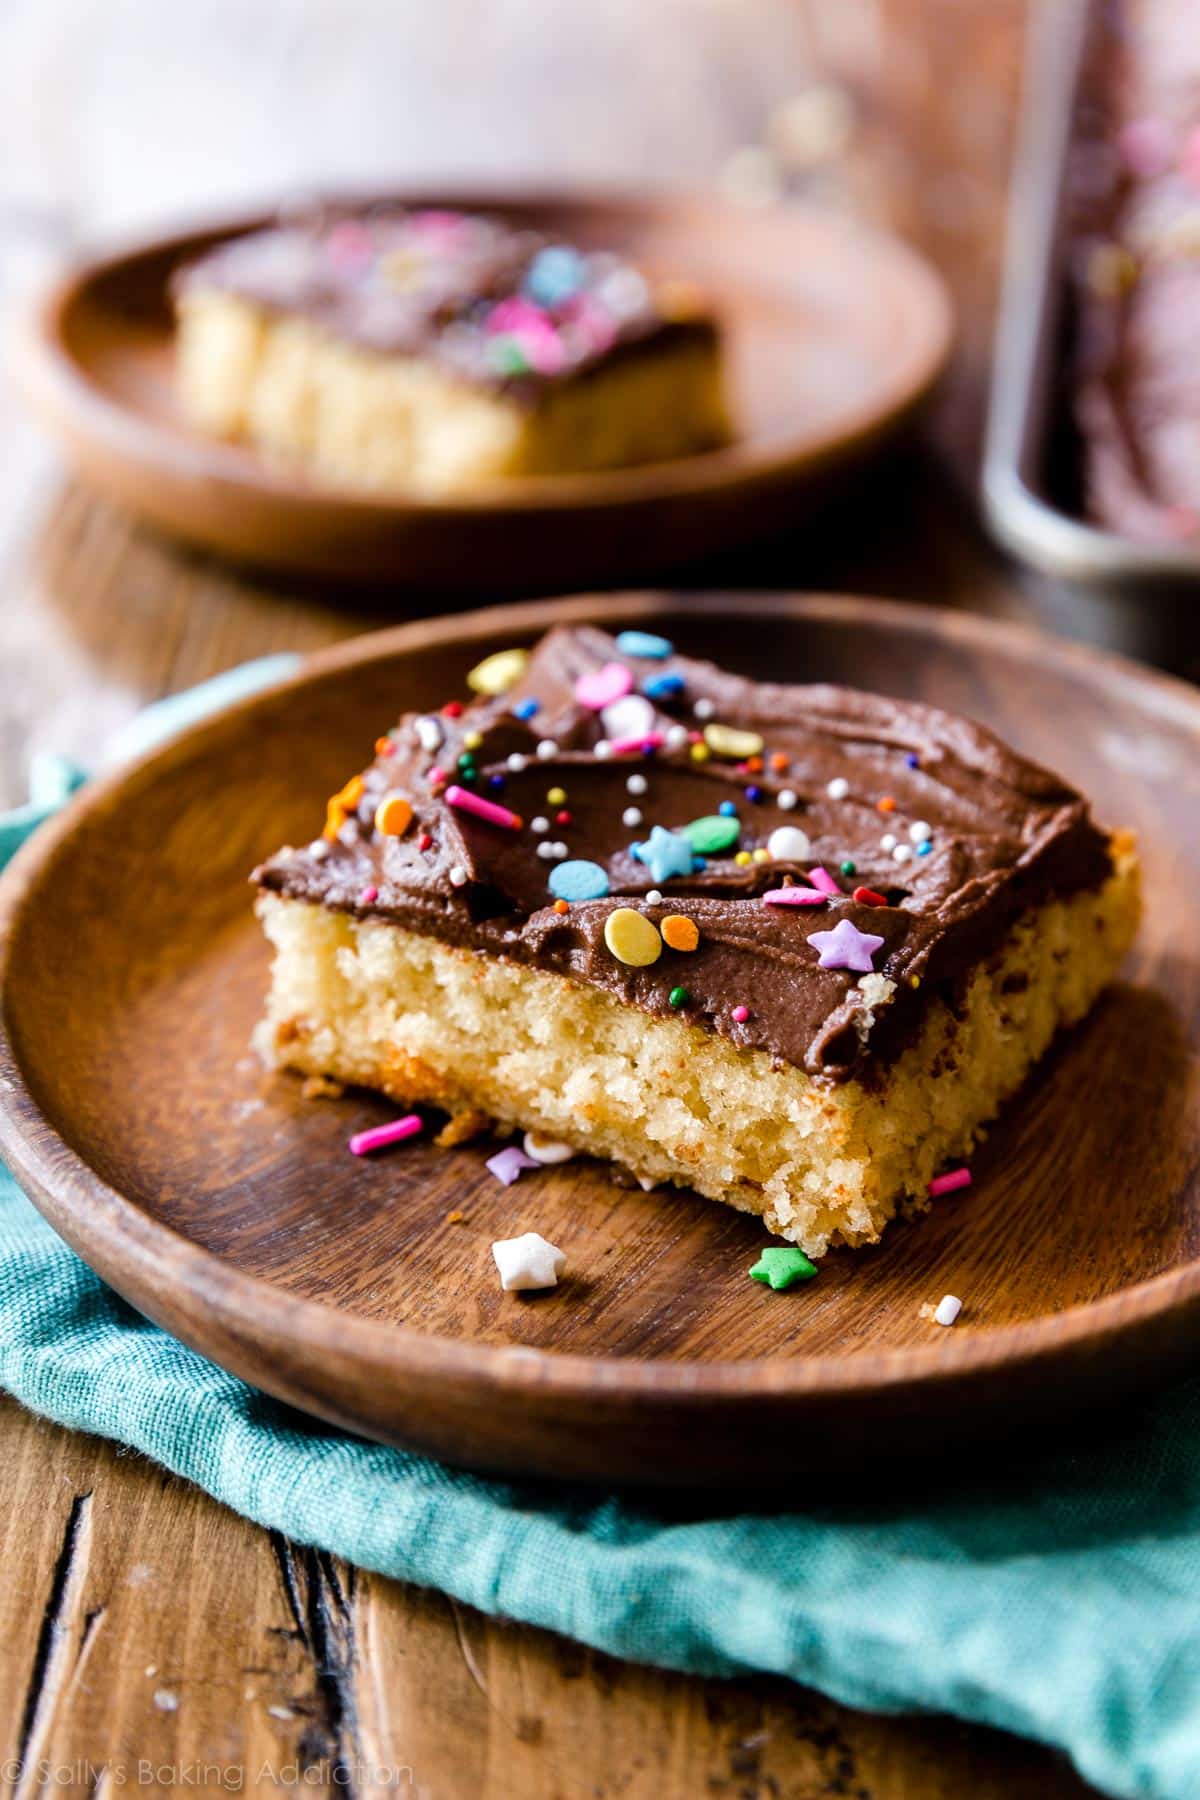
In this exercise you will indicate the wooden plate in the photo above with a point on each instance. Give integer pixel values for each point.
(227, 1207)
(835, 333)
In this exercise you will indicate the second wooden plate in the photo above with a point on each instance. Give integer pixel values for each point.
(834, 333)
(226, 1206)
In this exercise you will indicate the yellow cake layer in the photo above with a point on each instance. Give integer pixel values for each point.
(370, 1004)
(366, 419)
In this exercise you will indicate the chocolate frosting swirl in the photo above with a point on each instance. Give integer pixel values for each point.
(1003, 835)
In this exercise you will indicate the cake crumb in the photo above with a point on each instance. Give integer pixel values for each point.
(321, 1087)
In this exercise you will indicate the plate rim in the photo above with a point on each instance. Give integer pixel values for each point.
(61, 387)
(85, 1209)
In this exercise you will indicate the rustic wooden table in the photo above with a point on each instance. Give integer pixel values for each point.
(147, 1636)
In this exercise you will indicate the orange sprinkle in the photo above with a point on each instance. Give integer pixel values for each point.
(679, 932)
(754, 765)
(455, 1217)
(779, 761)
(393, 815)
(562, 906)
(335, 818)
(887, 804)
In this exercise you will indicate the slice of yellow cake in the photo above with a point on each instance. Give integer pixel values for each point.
(435, 350)
(789, 946)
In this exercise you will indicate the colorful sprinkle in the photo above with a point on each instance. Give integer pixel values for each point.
(848, 868)
(653, 740)
(425, 841)
(740, 1014)
(631, 718)
(369, 895)
(644, 643)
(384, 747)
(727, 809)
(487, 810)
(868, 897)
(846, 947)
(578, 879)
(599, 688)
(822, 879)
(885, 804)
(564, 818)
(754, 795)
(632, 938)
(556, 796)
(453, 709)
(679, 932)
(782, 1265)
(561, 906)
(663, 687)
(380, 1136)
(678, 997)
(761, 855)
(794, 896)
(509, 1163)
(716, 832)
(925, 849)
(700, 753)
(666, 853)
(948, 1183)
(789, 844)
(725, 740)
(743, 859)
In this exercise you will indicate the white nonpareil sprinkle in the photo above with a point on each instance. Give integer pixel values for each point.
(458, 875)
(539, 824)
(636, 784)
(517, 762)
(888, 841)
(546, 1149)
(429, 733)
(785, 799)
(631, 816)
(547, 748)
(838, 788)
(677, 737)
(552, 852)
(787, 843)
(528, 1262)
(704, 708)
(319, 849)
(947, 1309)
(902, 852)
(654, 897)
(602, 750)
(920, 832)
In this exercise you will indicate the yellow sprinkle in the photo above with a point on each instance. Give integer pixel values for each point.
(680, 932)
(723, 740)
(914, 981)
(699, 752)
(743, 857)
(761, 855)
(393, 815)
(472, 740)
(632, 938)
(496, 673)
(351, 794)
(556, 797)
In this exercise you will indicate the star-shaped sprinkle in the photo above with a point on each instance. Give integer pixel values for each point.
(781, 1265)
(528, 1262)
(846, 947)
(666, 854)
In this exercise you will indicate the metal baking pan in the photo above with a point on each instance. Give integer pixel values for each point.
(1030, 453)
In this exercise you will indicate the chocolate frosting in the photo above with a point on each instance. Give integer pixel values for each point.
(492, 303)
(1003, 835)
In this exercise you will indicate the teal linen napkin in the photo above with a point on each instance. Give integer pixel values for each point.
(1057, 1596)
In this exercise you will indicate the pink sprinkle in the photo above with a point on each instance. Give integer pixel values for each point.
(600, 687)
(946, 1184)
(380, 1136)
(653, 740)
(821, 878)
(368, 894)
(436, 774)
(487, 810)
(508, 1163)
(741, 1014)
(795, 896)
(516, 314)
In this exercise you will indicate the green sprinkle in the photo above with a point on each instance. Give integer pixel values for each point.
(849, 868)
(711, 835)
(507, 356)
(678, 997)
(781, 1265)
(466, 761)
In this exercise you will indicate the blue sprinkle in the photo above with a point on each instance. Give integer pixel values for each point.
(727, 809)
(912, 759)
(663, 687)
(754, 793)
(554, 275)
(644, 643)
(525, 709)
(925, 848)
(495, 781)
(699, 864)
(578, 880)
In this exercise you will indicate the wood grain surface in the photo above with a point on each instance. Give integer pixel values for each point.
(107, 125)
(226, 1206)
